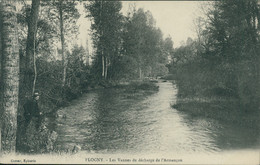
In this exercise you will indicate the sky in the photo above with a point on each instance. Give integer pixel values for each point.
(174, 18)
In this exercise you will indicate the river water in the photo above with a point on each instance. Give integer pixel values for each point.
(105, 121)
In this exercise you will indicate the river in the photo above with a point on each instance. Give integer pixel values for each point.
(105, 121)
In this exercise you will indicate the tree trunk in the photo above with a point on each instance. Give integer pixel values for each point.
(35, 69)
(10, 75)
(35, 6)
(62, 39)
(106, 66)
(0, 139)
(30, 47)
(102, 51)
(140, 73)
(103, 65)
(0, 63)
(1, 113)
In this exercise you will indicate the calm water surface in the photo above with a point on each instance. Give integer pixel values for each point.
(106, 121)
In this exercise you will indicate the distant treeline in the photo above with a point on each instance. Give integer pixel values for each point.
(223, 62)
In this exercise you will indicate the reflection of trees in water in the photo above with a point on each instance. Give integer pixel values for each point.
(107, 127)
(225, 135)
(107, 121)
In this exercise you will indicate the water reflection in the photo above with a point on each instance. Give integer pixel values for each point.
(106, 121)
(226, 135)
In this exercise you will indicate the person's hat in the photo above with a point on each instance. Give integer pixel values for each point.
(36, 94)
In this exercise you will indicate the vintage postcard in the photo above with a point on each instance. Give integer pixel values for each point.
(130, 82)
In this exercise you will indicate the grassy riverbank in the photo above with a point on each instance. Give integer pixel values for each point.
(223, 91)
(202, 94)
(226, 110)
(137, 89)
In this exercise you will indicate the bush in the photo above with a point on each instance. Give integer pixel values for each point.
(204, 79)
(36, 140)
(142, 85)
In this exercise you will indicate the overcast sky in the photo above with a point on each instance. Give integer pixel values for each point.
(174, 18)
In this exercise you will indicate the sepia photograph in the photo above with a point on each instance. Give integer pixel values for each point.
(129, 82)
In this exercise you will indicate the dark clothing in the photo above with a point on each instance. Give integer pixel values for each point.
(31, 110)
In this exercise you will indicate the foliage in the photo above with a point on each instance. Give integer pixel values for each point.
(143, 45)
(106, 30)
(125, 47)
(224, 60)
(51, 11)
(35, 141)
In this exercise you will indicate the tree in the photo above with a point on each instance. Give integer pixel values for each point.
(139, 26)
(64, 13)
(76, 66)
(30, 59)
(1, 111)
(35, 35)
(233, 29)
(106, 33)
(10, 74)
(224, 60)
(142, 42)
(64, 60)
